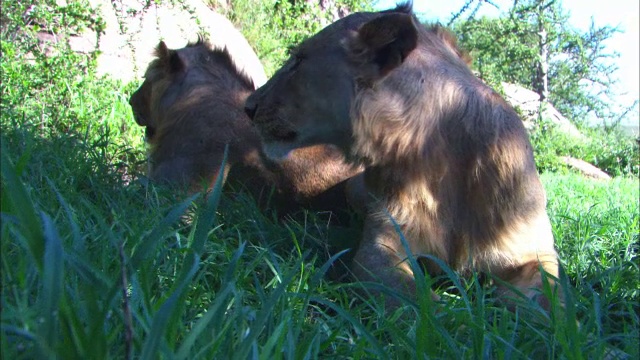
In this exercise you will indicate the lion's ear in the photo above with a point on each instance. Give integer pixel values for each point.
(385, 42)
(451, 42)
(170, 59)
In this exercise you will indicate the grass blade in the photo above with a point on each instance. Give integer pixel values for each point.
(267, 309)
(16, 201)
(52, 281)
(159, 325)
(149, 243)
(380, 353)
(204, 321)
(206, 218)
(75, 231)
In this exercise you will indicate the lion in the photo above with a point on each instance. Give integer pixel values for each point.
(447, 161)
(191, 104)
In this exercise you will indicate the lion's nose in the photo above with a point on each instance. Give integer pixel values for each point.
(250, 109)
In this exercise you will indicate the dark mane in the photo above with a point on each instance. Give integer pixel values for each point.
(405, 7)
(223, 57)
(449, 39)
(202, 41)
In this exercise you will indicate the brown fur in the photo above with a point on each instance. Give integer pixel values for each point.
(191, 103)
(446, 157)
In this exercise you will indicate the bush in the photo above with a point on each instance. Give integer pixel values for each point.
(273, 27)
(55, 92)
(608, 149)
(612, 151)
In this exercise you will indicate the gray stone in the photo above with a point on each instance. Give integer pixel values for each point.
(134, 28)
(528, 102)
(585, 168)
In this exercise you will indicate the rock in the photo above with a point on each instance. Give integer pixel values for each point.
(135, 27)
(585, 168)
(529, 104)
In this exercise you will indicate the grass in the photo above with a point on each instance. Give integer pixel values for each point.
(207, 280)
(98, 263)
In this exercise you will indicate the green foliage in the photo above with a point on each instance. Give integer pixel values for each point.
(580, 67)
(273, 27)
(96, 263)
(502, 50)
(594, 220)
(55, 90)
(610, 150)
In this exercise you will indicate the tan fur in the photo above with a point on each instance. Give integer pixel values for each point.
(446, 157)
(191, 103)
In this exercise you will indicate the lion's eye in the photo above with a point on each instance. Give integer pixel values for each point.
(295, 56)
(293, 63)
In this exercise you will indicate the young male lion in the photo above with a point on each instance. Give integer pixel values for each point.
(447, 159)
(191, 103)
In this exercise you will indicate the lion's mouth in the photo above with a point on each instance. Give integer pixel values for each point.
(287, 136)
(278, 142)
(139, 118)
(280, 135)
(149, 132)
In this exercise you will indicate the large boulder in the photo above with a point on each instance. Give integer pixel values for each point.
(528, 102)
(585, 168)
(135, 27)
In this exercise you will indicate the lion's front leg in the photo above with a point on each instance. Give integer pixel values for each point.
(381, 258)
(357, 194)
(528, 278)
(529, 248)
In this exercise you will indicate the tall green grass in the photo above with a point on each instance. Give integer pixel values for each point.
(98, 263)
(228, 282)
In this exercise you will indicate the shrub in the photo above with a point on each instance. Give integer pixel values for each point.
(273, 27)
(55, 92)
(608, 149)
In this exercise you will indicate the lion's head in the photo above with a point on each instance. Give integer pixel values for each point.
(308, 100)
(318, 77)
(191, 104)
